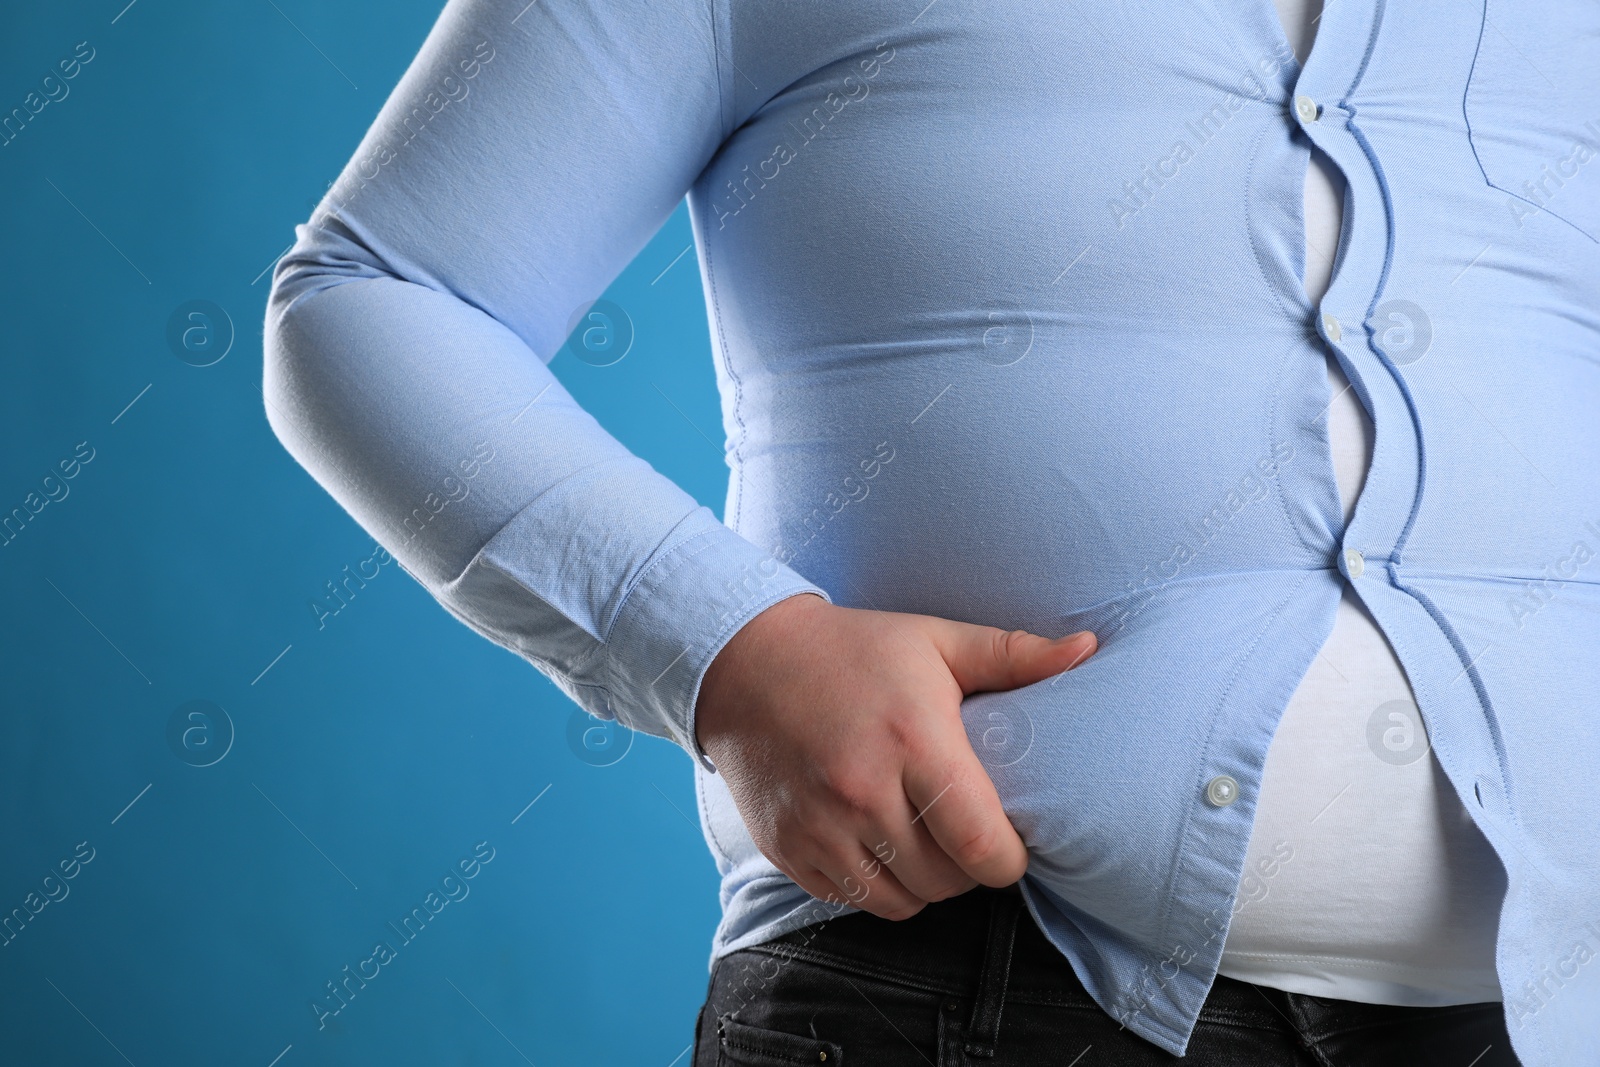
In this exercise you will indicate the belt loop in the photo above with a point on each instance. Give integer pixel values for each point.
(983, 1028)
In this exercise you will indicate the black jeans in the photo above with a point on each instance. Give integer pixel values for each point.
(972, 980)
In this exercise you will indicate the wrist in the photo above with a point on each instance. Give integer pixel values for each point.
(723, 688)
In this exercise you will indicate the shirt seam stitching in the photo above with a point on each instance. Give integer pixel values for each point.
(722, 81)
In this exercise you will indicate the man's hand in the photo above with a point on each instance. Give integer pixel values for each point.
(839, 733)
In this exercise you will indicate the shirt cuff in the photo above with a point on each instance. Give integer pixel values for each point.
(679, 614)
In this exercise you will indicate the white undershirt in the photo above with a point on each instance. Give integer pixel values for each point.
(1366, 878)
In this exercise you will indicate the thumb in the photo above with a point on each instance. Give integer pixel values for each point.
(987, 658)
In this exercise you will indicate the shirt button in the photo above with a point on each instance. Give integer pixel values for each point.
(1222, 791)
(1306, 108)
(1354, 562)
(1330, 326)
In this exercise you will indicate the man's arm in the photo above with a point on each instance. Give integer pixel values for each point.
(527, 155)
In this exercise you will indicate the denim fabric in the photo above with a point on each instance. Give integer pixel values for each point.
(972, 980)
(1008, 315)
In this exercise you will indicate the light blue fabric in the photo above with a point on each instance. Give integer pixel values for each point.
(1009, 325)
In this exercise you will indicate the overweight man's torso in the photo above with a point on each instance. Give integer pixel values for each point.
(1012, 327)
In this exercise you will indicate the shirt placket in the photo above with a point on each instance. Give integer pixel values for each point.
(1323, 106)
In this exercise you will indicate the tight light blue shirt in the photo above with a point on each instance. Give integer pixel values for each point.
(1009, 326)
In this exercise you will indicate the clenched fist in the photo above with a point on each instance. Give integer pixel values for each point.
(839, 733)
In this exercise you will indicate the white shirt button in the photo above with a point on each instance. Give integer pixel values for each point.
(1306, 108)
(1221, 791)
(1330, 326)
(1354, 562)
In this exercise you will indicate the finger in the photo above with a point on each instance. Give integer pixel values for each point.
(907, 847)
(868, 884)
(987, 658)
(957, 802)
(816, 883)
(844, 888)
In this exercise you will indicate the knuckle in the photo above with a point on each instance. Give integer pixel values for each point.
(999, 644)
(978, 848)
(856, 789)
(912, 738)
(1008, 644)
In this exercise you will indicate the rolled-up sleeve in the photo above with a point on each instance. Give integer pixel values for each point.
(525, 157)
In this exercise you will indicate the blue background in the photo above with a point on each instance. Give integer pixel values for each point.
(369, 755)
